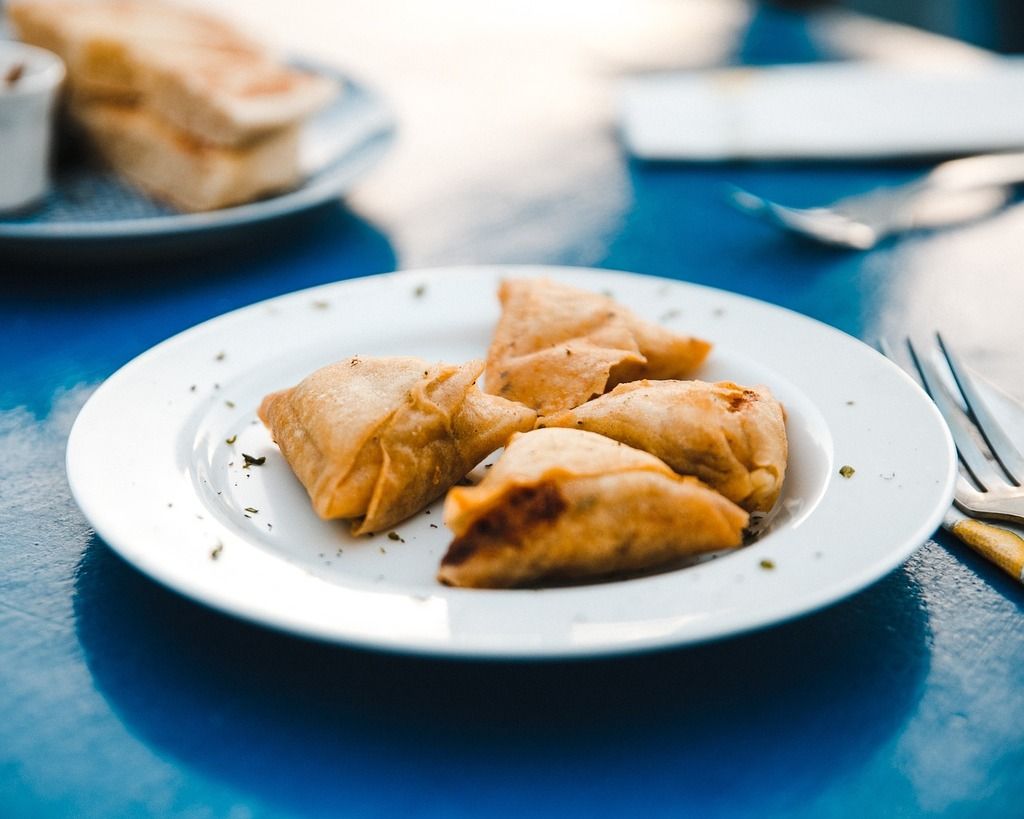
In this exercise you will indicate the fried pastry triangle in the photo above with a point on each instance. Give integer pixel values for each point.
(731, 437)
(568, 505)
(377, 439)
(557, 346)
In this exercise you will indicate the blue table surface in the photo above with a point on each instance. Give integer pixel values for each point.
(120, 698)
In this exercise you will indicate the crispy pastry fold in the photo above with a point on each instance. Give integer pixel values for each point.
(377, 439)
(557, 346)
(731, 437)
(567, 505)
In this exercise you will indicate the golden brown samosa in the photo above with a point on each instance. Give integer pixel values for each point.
(377, 439)
(565, 505)
(557, 346)
(731, 437)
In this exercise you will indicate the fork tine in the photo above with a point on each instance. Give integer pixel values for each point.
(1002, 446)
(965, 493)
(970, 453)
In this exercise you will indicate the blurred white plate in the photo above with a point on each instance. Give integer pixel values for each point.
(89, 202)
(150, 465)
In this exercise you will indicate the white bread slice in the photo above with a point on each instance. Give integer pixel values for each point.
(229, 98)
(97, 39)
(196, 70)
(170, 166)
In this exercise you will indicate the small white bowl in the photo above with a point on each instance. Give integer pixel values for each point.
(29, 80)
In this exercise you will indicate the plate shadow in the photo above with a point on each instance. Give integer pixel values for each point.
(740, 724)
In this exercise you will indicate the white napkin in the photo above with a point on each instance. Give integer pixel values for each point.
(840, 110)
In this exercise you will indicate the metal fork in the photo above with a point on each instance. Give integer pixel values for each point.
(992, 467)
(953, 192)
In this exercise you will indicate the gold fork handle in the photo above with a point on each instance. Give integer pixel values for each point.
(1000, 546)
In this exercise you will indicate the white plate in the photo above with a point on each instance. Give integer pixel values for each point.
(150, 466)
(91, 203)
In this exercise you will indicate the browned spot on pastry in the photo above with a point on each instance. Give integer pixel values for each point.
(738, 400)
(524, 508)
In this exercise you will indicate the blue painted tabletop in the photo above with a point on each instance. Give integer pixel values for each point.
(120, 698)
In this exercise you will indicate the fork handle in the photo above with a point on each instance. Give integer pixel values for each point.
(998, 545)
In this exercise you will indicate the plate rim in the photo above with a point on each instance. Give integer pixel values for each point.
(834, 593)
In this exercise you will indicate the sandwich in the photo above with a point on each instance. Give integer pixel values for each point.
(179, 170)
(166, 93)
